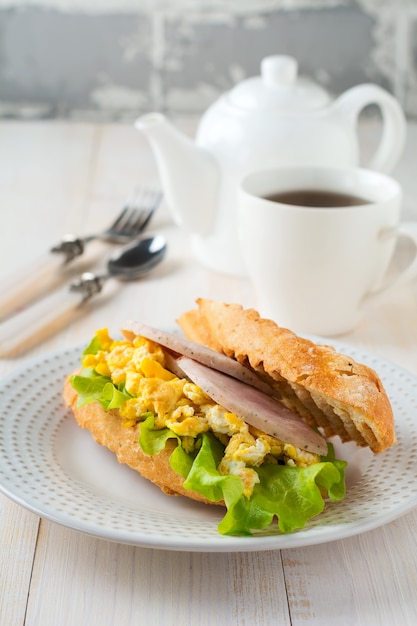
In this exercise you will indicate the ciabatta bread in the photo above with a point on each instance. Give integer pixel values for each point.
(329, 390)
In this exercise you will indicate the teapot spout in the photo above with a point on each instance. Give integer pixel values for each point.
(189, 174)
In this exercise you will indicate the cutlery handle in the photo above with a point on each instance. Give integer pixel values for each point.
(33, 325)
(25, 285)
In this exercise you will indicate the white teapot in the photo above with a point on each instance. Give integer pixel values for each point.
(268, 121)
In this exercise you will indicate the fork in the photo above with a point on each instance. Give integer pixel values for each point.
(130, 222)
(26, 285)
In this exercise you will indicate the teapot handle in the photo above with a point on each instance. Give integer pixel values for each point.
(391, 145)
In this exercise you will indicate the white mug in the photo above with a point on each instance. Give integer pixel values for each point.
(313, 267)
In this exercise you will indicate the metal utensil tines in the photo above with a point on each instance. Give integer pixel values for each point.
(131, 222)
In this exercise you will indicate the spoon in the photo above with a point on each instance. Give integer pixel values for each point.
(131, 262)
(33, 325)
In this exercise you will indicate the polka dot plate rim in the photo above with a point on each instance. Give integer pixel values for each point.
(53, 468)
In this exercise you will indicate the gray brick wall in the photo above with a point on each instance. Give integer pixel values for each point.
(114, 60)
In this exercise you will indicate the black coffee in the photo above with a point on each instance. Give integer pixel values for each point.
(316, 198)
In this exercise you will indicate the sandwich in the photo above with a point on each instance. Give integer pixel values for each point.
(234, 411)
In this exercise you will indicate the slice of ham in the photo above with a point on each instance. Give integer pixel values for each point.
(199, 353)
(171, 363)
(253, 406)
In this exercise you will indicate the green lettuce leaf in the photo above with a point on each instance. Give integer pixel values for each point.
(206, 479)
(93, 347)
(292, 494)
(92, 387)
(153, 441)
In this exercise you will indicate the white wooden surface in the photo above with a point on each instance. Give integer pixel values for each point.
(57, 177)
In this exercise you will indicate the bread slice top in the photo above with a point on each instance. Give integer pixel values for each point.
(327, 389)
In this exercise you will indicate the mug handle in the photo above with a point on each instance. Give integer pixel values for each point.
(409, 273)
(391, 145)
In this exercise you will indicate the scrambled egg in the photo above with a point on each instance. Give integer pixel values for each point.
(183, 407)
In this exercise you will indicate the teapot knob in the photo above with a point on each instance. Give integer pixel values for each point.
(279, 70)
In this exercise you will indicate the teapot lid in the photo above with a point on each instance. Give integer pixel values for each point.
(278, 87)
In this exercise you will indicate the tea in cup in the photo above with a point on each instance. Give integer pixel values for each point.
(317, 242)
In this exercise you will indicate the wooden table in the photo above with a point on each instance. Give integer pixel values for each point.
(57, 177)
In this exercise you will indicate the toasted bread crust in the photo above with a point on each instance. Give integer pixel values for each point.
(328, 389)
(107, 430)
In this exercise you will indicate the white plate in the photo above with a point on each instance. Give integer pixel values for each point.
(52, 467)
